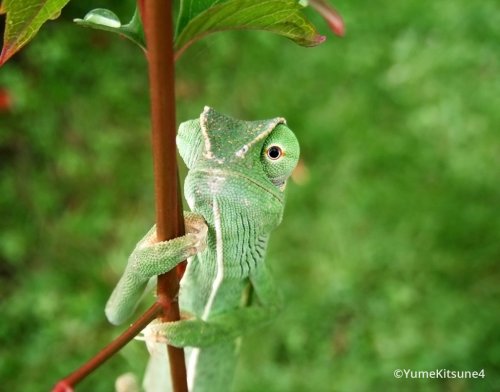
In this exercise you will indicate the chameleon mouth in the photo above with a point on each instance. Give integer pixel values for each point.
(270, 188)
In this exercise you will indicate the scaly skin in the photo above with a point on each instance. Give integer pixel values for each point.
(235, 188)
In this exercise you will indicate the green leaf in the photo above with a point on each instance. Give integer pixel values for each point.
(191, 8)
(103, 19)
(24, 19)
(282, 17)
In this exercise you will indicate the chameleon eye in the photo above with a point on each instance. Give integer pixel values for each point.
(274, 152)
(279, 155)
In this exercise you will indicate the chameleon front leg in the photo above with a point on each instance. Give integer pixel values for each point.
(225, 326)
(151, 258)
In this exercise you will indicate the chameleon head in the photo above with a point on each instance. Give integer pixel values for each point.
(244, 165)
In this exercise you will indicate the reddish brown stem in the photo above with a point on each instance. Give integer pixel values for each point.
(157, 19)
(67, 383)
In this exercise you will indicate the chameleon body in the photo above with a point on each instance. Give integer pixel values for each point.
(235, 190)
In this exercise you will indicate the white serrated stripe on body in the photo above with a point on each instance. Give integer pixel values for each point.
(219, 261)
(219, 276)
(191, 368)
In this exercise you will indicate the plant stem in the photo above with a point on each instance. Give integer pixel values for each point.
(157, 19)
(67, 383)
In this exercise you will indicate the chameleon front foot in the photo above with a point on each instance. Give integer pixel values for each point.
(151, 258)
(193, 241)
(183, 333)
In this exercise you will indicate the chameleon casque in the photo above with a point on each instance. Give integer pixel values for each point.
(235, 189)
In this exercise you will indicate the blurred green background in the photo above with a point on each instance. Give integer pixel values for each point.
(389, 252)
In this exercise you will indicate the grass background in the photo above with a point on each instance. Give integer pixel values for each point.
(388, 256)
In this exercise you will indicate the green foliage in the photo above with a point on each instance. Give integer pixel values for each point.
(103, 19)
(196, 20)
(283, 17)
(24, 19)
(388, 254)
(200, 18)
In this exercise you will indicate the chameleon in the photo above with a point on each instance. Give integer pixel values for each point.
(237, 174)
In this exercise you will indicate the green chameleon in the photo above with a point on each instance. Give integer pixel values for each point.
(235, 188)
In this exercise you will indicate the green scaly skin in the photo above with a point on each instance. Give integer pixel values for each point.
(235, 188)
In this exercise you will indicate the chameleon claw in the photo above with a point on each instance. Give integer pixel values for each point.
(153, 335)
(196, 224)
(197, 231)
